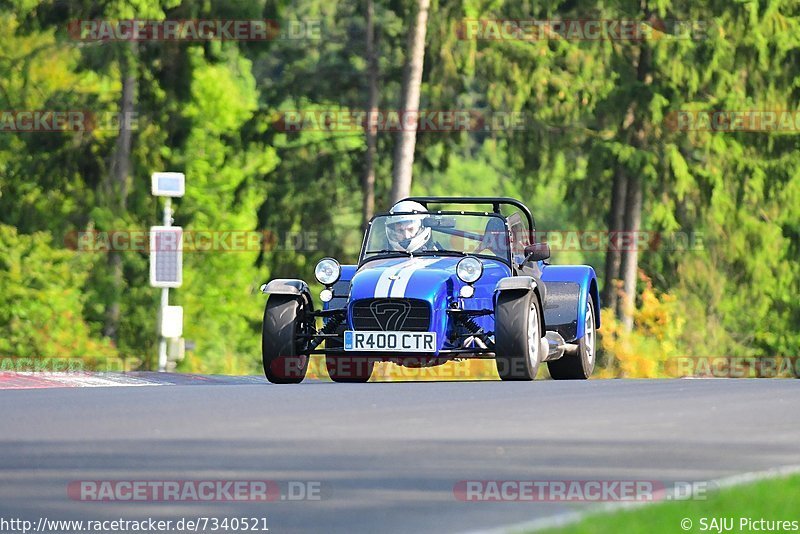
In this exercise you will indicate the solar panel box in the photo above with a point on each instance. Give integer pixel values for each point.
(166, 256)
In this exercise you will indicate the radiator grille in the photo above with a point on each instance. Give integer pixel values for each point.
(410, 315)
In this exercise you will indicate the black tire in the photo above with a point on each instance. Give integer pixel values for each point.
(579, 366)
(343, 367)
(354, 369)
(517, 358)
(283, 321)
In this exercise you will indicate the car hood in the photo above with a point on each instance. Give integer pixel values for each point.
(425, 277)
(429, 278)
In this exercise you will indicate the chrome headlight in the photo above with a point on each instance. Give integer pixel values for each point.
(469, 270)
(327, 271)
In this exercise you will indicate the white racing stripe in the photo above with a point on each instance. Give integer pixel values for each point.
(384, 282)
(399, 287)
(400, 274)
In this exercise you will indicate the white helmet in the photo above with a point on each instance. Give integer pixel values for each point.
(405, 231)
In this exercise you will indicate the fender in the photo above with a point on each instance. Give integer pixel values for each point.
(285, 286)
(568, 289)
(516, 282)
(526, 284)
(290, 287)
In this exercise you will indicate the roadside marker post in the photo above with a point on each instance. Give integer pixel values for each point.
(166, 260)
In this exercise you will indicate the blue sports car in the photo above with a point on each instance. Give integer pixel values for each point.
(433, 285)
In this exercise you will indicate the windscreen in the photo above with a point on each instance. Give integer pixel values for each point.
(447, 233)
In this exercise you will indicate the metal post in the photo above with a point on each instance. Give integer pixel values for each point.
(162, 342)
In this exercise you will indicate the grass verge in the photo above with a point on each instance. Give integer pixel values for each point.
(736, 509)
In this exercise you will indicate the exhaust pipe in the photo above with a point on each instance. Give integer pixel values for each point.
(557, 347)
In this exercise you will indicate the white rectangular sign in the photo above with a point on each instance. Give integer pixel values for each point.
(168, 184)
(172, 321)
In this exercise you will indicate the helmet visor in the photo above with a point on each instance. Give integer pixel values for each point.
(403, 230)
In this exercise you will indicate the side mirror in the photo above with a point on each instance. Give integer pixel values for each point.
(537, 252)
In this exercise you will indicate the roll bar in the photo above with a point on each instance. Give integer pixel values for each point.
(495, 202)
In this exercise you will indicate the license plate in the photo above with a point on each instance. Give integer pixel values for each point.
(390, 341)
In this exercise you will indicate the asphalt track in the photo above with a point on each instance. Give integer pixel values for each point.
(387, 456)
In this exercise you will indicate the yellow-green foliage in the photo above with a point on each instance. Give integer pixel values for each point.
(647, 351)
(41, 300)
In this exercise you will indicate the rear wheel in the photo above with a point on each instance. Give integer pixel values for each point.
(518, 335)
(578, 366)
(284, 320)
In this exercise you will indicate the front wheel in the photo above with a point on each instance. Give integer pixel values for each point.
(578, 366)
(518, 335)
(281, 349)
(356, 369)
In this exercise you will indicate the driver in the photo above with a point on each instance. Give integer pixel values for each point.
(406, 231)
